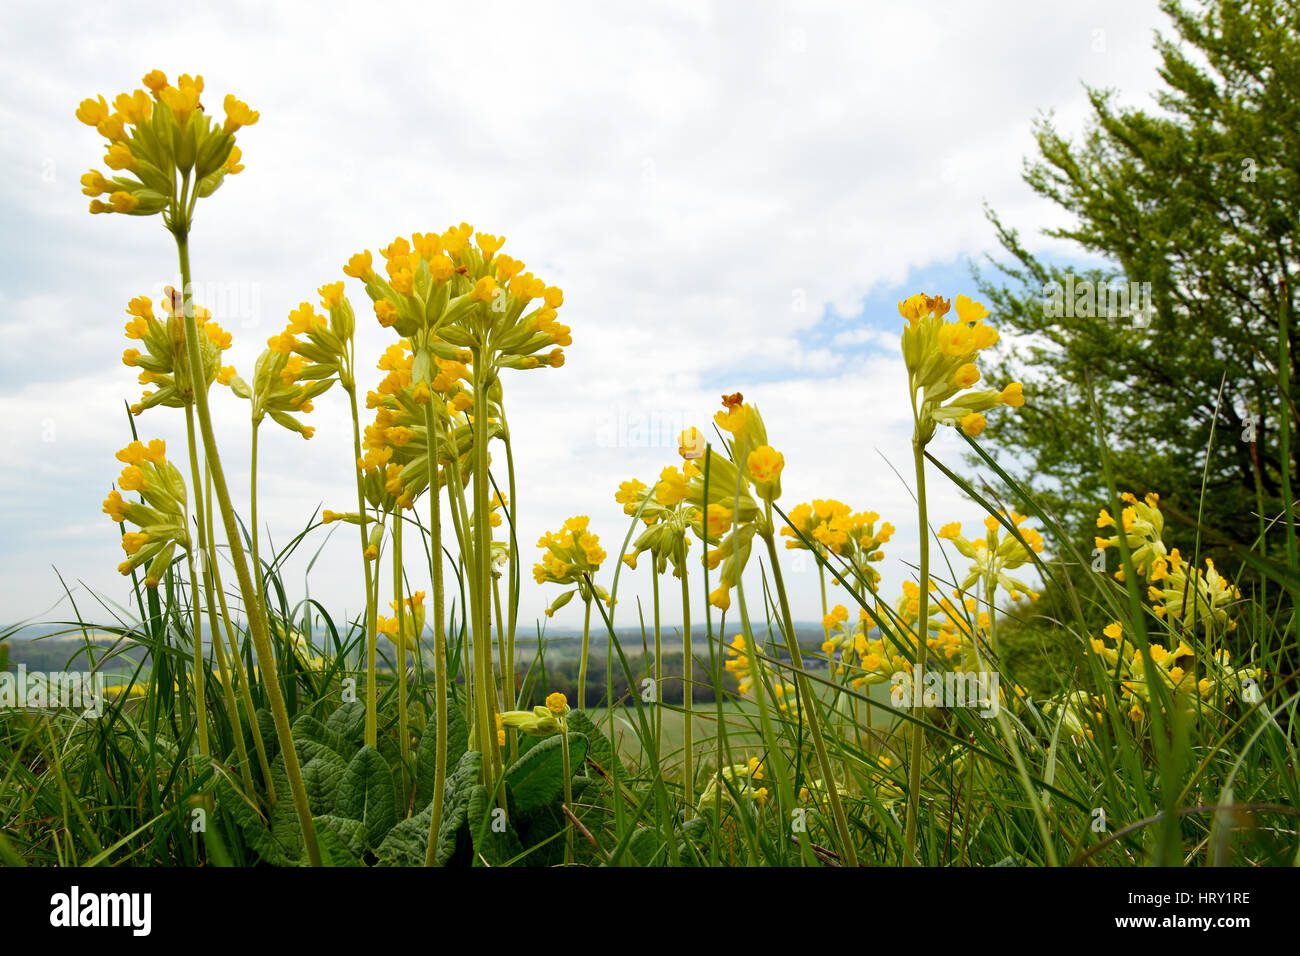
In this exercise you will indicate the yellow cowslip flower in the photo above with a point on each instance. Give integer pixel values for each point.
(734, 414)
(237, 114)
(161, 515)
(764, 466)
(94, 184)
(165, 361)
(939, 357)
(174, 151)
(557, 703)
(93, 112)
(691, 444)
(668, 517)
(134, 108)
(671, 488)
(361, 266)
(995, 554)
(719, 520)
(836, 529)
(1143, 527)
(837, 616)
(628, 495)
(571, 556)
(489, 245)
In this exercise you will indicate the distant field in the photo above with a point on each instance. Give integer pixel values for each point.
(743, 734)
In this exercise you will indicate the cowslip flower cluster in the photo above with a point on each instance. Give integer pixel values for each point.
(1177, 590)
(836, 529)
(569, 557)
(996, 553)
(749, 473)
(464, 294)
(737, 782)
(940, 363)
(165, 147)
(541, 721)
(668, 516)
(160, 516)
(396, 442)
(164, 363)
(1176, 670)
(412, 618)
(296, 366)
(1143, 528)
(739, 665)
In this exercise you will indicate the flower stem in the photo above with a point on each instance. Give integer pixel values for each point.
(256, 611)
(403, 730)
(582, 660)
(201, 534)
(241, 675)
(200, 677)
(439, 633)
(659, 655)
(808, 707)
(688, 693)
(372, 729)
(917, 749)
(482, 631)
(568, 787)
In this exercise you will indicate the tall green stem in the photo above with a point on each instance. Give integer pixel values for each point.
(201, 535)
(200, 675)
(659, 656)
(917, 749)
(1284, 434)
(582, 660)
(256, 612)
(252, 517)
(482, 631)
(371, 623)
(810, 703)
(403, 730)
(688, 695)
(236, 655)
(439, 633)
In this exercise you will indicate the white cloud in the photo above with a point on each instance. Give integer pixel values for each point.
(706, 182)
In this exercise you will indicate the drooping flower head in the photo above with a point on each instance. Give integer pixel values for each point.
(164, 363)
(940, 364)
(166, 148)
(571, 556)
(160, 514)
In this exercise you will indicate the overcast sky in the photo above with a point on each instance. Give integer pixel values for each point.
(733, 197)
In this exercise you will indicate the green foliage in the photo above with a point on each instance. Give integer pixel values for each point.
(1200, 201)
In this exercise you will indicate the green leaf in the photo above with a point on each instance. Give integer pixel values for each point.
(426, 752)
(266, 724)
(647, 847)
(308, 728)
(406, 843)
(255, 829)
(599, 749)
(494, 845)
(349, 833)
(341, 841)
(321, 777)
(349, 722)
(537, 778)
(285, 828)
(366, 793)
